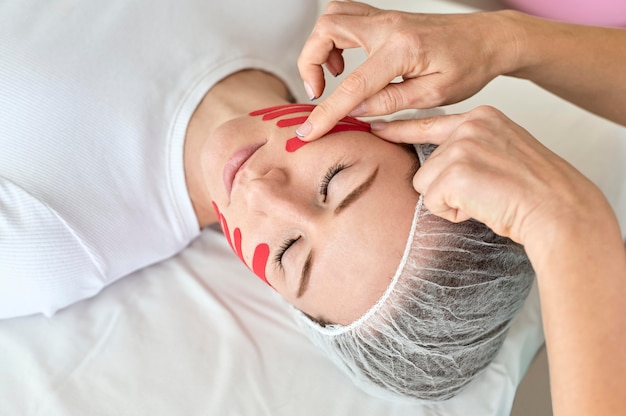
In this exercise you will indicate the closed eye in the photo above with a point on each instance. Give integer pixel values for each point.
(278, 257)
(330, 174)
(323, 191)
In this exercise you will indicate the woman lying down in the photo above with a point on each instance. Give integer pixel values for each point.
(107, 168)
(398, 296)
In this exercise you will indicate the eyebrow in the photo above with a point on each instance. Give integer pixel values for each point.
(345, 203)
(356, 193)
(306, 275)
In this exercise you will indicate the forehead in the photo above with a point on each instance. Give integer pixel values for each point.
(281, 121)
(292, 115)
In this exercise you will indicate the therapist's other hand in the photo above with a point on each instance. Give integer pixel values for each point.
(442, 59)
(489, 168)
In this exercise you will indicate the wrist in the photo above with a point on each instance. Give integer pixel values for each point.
(530, 44)
(584, 227)
(512, 41)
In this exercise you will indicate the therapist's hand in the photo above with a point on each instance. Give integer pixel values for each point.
(489, 168)
(442, 59)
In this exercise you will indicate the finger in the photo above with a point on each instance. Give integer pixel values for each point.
(316, 51)
(353, 8)
(433, 130)
(415, 93)
(363, 82)
(440, 190)
(331, 33)
(447, 213)
(335, 62)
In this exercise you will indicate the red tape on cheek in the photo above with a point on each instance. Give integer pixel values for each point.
(259, 261)
(261, 252)
(226, 231)
(238, 250)
(223, 224)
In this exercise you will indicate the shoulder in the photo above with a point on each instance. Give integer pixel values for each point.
(43, 265)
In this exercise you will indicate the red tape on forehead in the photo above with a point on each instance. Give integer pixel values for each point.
(278, 110)
(281, 111)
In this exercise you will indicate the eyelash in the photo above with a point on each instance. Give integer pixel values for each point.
(323, 190)
(278, 258)
(335, 169)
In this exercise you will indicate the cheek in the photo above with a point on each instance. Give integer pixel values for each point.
(261, 252)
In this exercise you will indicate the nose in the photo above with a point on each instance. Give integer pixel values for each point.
(273, 194)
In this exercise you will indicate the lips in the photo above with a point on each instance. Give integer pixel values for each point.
(234, 164)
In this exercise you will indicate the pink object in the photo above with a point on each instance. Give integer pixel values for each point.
(589, 12)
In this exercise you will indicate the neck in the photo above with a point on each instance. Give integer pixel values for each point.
(234, 96)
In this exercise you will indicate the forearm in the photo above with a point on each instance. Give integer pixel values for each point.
(584, 65)
(581, 273)
(491, 169)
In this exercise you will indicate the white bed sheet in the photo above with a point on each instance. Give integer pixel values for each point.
(199, 335)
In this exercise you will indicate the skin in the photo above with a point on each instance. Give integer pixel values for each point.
(446, 58)
(275, 197)
(491, 169)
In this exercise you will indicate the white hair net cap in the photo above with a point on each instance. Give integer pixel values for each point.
(443, 317)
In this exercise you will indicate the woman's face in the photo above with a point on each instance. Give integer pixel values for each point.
(325, 224)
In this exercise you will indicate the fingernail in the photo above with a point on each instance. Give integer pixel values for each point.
(309, 91)
(378, 124)
(304, 129)
(358, 111)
